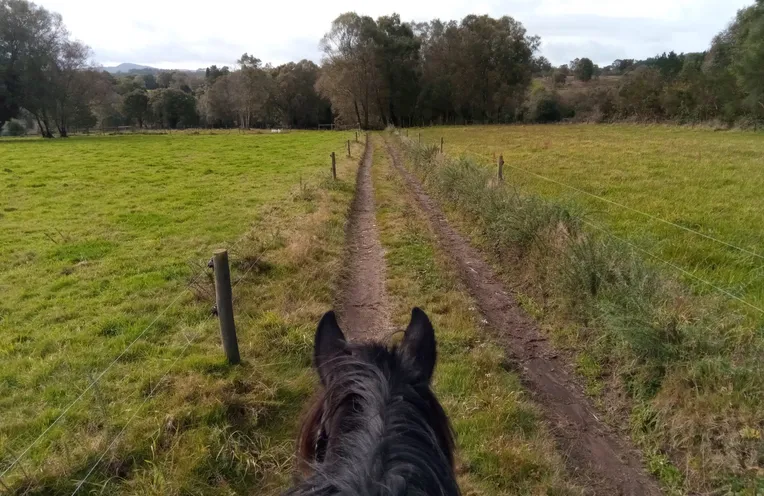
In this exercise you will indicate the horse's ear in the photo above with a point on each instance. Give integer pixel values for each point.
(418, 347)
(330, 343)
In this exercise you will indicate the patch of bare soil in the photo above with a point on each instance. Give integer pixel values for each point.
(599, 459)
(363, 307)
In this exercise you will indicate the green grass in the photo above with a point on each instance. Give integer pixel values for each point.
(681, 367)
(99, 235)
(503, 444)
(711, 182)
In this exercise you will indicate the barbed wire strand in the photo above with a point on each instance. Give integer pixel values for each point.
(606, 200)
(151, 394)
(104, 371)
(137, 411)
(674, 266)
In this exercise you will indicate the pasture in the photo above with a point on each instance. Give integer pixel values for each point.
(605, 235)
(103, 241)
(706, 181)
(113, 372)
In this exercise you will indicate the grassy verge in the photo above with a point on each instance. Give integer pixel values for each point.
(504, 447)
(702, 180)
(685, 369)
(207, 427)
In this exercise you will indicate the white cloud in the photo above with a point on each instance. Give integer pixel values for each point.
(196, 33)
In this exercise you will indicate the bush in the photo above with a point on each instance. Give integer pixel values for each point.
(16, 128)
(546, 107)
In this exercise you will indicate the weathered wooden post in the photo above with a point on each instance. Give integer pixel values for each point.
(501, 167)
(334, 166)
(348, 148)
(356, 136)
(420, 138)
(224, 299)
(441, 145)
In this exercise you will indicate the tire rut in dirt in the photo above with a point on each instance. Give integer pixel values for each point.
(599, 459)
(363, 308)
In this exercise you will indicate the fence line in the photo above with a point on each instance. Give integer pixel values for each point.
(634, 246)
(653, 217)
(682, 270)
(137, 410)
(156, 386)
(93, 383)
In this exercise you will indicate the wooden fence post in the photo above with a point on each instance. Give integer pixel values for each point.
(356, 136)
(334, 166)
(224, 298)
(348, 148)
(501, 167)
(420, 138)
(441, 145)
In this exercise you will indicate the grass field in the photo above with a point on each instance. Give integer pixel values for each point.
(706, 181)
(99, 236)
(682, 362)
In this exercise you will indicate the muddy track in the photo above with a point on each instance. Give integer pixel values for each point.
(598, 459)
(362, 306)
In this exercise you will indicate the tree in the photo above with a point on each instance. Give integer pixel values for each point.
(164, 78)
(217, 103)
(250, 90)
(173, 108)
(559, 78)
(296, 96)
(150, 82)
(30, 38)
(640, 93)
(212, 73)
(541, 66)
(669, 65)
(583, 69)
(249, 61)
(135, 106)
(748, 60)
(9, 63)
(68, 85)
(350, 69)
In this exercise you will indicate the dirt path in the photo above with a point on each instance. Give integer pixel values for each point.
(363, 307)
(598, 458)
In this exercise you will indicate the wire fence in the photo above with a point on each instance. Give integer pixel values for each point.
(92, 384)
(190, 342)
(674, 266)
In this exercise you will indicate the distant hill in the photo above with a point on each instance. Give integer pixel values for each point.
(125, 68)
(128, 68)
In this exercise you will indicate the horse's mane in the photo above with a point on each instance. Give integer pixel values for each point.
(392, 435)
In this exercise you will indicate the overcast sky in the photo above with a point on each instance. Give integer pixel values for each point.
(192, 34)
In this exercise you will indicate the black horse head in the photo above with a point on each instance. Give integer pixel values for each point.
(376, 428)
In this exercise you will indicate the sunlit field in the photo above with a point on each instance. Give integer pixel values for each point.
(104, 247)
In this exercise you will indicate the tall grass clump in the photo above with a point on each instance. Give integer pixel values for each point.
(686, 370)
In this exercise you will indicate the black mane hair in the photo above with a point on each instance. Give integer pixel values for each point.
(376, 428)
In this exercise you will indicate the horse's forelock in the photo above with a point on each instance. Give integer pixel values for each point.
(415, 406)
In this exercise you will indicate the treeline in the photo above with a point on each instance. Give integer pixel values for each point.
(724, 83)
(376, 73)
(46, 84)
(386, 71)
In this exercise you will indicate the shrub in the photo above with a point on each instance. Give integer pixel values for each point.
(16, 128)
(546, 107)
